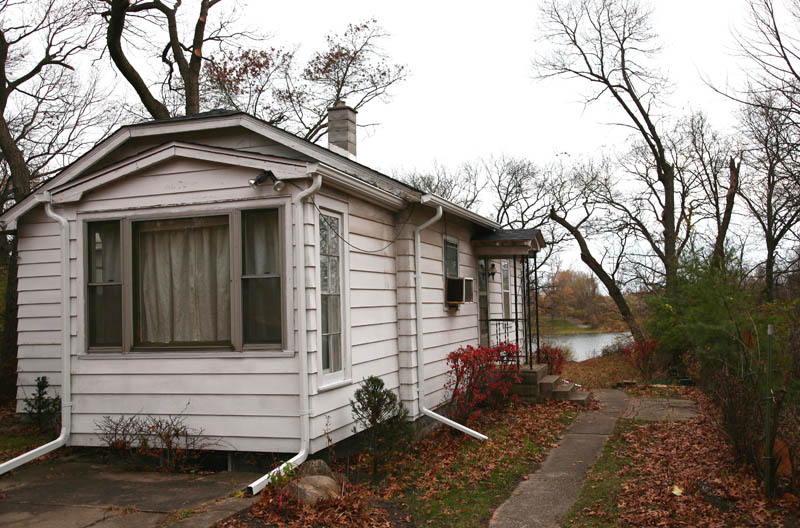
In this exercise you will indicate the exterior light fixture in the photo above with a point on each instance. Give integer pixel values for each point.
(265, 177)
(492, 270)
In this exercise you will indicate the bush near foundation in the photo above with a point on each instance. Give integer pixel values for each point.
(554, 358)
(480, 376)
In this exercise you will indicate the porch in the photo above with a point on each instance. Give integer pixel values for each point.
(519, 321)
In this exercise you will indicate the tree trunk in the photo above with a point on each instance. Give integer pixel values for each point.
(605, 278)
(718, 256)
(769, 271)
(8, 347)
(116, 25)
(21, 186)
(17, 166)
(670, 235)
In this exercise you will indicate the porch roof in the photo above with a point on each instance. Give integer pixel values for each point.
(508, 243)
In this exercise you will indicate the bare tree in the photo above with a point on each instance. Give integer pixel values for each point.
(46, 119)
(714, 164)
(769, 187)
(140, 24)
(267, 83)
(574, 206)
(608, 45)
(772, 43)
(462, 186)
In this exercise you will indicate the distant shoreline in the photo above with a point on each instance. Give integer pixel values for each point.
(549, 326)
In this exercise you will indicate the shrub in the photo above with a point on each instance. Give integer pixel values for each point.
(168, 440)
(384, 418)
(642, 356)
(714, 326)
(480, 376)
(554, 358)
(617, 347)
(43, 410)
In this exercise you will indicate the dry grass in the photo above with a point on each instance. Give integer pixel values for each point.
(600, 372)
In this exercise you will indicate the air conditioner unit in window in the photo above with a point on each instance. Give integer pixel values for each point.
(458, 290)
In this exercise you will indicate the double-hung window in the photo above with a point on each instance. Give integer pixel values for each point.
(188, 283)
(104, 285)
(450, 259)
(506, 290)
(330, 271)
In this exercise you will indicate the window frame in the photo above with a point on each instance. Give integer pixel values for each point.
(332, 380)
(505, 289)
(455, 242)
(447, 307)
(237, 347)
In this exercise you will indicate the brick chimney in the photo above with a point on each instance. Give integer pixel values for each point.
(342, 129)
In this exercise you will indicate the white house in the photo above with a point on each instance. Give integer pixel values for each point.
(180, 246)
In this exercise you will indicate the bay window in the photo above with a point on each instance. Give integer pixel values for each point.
(203, 282)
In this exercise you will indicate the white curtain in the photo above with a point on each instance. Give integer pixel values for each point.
(184, 281)
(261, 238)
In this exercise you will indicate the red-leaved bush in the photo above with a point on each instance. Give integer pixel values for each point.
(554, 357)
(480, 376)
(642, 356)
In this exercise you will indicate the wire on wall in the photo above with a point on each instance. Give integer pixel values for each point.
(384, 248)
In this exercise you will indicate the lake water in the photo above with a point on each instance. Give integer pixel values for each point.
(584, 346)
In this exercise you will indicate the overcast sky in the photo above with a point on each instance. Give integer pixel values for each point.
(471, 89)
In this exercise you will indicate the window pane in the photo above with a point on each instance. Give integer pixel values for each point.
(333, 270)
(326, 355)
(451, 259)
(261, 300)
(260, 242)
(104, 253)
(105, 315)
(334, 343)
(183, 281)
(505, 274)
(324, 247)
(324, 274)
(332, 308)
(324, 314)
(333, 235)
(482, 276)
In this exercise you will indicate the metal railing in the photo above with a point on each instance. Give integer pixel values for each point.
(505, 330)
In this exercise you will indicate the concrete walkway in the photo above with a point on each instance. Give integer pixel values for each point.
(546, 496)
(660, 409)
(74, 493)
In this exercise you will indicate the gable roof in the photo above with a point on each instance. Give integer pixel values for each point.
(75, 174)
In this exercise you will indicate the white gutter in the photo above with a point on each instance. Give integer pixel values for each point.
(459, 211)
(419, 331)
(302, 345)
(66, 368)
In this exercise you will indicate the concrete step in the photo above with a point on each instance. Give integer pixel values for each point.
(562, 391)
(548, 382)
(533, 374)
(581, 398)
(525, 390)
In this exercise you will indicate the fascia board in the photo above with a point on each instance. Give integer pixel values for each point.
(459, 211)
(359, 188)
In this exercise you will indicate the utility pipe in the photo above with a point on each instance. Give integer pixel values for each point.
(302, 343)
(419, 332)
(66, 351)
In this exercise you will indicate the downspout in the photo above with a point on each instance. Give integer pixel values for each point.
(419, 331)
(66, 367)
(302, 345)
